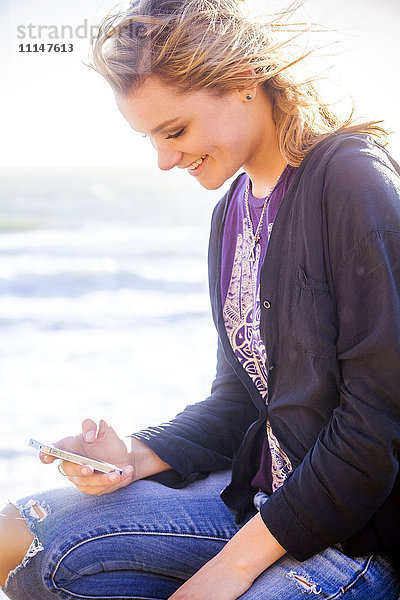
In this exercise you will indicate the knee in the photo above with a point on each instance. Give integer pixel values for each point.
(15, 540)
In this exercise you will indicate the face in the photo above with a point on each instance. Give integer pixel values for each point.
(212, 137)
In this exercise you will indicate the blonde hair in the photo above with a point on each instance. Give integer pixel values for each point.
(215, 45)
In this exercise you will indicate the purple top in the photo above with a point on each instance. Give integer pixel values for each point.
(240, 292)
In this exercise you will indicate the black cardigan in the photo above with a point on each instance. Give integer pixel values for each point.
(330, 321)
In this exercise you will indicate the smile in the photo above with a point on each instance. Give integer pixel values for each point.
(196, 164)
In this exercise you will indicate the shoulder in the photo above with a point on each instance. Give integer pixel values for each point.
(221, 207)
(217, 221)
(357, 181)
(352, 160)
(362, 182)
(358, 159)
(349, 158)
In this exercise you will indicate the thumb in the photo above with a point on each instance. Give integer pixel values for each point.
(91, 431)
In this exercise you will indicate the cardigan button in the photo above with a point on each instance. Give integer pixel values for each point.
(267, 304)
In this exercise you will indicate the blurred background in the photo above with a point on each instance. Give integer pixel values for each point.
(103, 295)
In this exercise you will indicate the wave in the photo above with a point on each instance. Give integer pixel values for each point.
(126, 324)
(74, 285)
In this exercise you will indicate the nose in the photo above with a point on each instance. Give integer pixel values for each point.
(168, 158)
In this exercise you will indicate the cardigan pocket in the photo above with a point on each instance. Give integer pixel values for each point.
(312, 316)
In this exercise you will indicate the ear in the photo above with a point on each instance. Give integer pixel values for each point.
(248, 94)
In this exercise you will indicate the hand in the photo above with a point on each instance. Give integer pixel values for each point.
(100, 442)
(216, 579)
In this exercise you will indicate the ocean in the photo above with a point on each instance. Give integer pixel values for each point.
(104, 308)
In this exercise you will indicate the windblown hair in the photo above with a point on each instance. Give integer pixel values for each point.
(215, 45)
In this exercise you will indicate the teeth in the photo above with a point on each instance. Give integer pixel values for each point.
(197, 163)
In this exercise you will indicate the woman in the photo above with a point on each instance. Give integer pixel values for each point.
(302, 425)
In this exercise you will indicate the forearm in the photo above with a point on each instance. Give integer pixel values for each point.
(145, 461)
(253, 549)
(233, 570)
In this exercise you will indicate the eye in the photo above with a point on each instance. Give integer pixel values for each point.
(173, 136)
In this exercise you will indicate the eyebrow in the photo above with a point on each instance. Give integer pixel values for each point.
(163, 125)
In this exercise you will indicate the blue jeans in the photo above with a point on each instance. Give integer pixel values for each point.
(145, 540)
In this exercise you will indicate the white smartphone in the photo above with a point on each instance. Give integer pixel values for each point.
(98, 465)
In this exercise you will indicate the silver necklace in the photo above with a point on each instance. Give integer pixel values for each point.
(256, 236)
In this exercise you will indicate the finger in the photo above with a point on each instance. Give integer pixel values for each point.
(46, 458)
(73, 470)
(103, 427)
(86, 474)
(123, 483)
(125, 479)
(89, 430)
(100, 483)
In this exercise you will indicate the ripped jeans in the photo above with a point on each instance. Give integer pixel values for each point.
(145, 540)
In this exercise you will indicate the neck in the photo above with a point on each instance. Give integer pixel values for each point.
(265, 162)
(263, 183)
(266, 166)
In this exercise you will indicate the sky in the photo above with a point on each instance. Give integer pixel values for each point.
(56, 111)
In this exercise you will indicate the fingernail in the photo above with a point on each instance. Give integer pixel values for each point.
(47, 458)
(90, 436)
(128, 470)
(86, 471)
(114, 477)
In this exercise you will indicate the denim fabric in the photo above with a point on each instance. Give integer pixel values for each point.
(143, 541)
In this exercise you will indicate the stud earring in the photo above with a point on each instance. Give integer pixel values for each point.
(249, 97)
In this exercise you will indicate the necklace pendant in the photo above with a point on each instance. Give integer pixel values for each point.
(252, 253)
(255, 235)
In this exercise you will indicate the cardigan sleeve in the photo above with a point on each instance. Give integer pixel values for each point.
(205, 436)
(352, 467)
